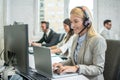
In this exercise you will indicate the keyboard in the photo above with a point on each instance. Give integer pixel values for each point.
(31, 75)
(37, 76)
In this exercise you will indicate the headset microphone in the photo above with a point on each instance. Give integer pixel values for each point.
(82, 30)
(87, 25)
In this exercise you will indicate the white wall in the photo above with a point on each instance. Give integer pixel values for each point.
(25, 11)
(21, 11)
(107, 9)
(1, 25)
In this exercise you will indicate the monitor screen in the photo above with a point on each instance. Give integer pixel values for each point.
(16, 46)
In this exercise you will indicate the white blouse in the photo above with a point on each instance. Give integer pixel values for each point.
(66, 46)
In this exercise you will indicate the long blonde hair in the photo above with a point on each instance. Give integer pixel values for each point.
(80, 13)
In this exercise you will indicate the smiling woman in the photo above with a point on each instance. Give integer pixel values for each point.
(87, 55)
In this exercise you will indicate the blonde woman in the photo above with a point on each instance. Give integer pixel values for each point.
(88, 48)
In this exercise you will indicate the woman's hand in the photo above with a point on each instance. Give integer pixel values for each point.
(52, 51)
(67, 69)
(59, 68)
(56, 67)
(36, 44)
(57, 50)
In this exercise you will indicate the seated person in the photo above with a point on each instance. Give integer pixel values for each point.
(107, 32)
(49, 37)
(87, 55)
(64, 46)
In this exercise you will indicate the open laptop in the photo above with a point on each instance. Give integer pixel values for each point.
(43, 63)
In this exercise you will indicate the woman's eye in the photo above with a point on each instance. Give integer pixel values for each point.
(76, 21)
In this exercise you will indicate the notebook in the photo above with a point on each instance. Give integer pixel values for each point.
(43, 63)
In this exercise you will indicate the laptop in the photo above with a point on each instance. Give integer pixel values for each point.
(43, 63)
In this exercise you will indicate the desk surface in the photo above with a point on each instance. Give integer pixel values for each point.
(56, 59)
(77, 77)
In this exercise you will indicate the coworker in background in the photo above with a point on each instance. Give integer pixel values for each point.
(106, 30)
(49, 37)
(87, 55)
(63, 48)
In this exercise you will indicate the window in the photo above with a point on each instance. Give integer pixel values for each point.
(56, 11)
(75, 3)
(52, 12)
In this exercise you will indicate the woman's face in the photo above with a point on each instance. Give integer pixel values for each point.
(67, 28)
(77, 23)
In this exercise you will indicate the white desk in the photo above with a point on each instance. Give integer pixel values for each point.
(55, 59)
(77, 77)
(31, 61)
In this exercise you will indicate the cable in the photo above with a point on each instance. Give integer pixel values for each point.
(10, 60)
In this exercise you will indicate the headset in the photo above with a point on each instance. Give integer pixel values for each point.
(86, 21)
(47, 25)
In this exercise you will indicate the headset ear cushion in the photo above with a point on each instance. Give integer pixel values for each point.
(86, 22)
(47, 25)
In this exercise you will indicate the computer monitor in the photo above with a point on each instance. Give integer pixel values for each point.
(16, 46)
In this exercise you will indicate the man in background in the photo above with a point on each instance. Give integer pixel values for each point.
(106, 31)
(49, 38)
